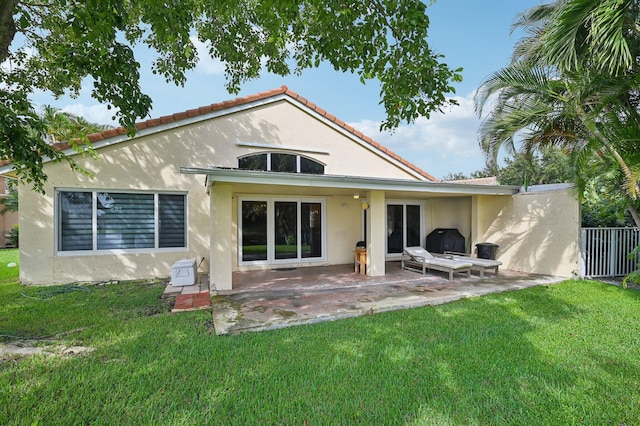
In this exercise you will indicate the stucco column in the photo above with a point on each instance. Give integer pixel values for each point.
(376, 234)
(220, 257)
(475, 223)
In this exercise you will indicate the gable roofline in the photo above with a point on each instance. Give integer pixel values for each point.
(154, 125)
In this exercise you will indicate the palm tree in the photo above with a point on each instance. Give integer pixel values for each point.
(64, 126)
(576, 99)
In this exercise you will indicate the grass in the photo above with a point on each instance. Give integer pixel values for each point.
(563, 354)
(9, 273)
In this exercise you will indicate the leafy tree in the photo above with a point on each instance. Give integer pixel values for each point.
(524, 169)
(455, 176)
(550, 165)
(572, 84)
(65, 41)
(602, 205)
(10, 202)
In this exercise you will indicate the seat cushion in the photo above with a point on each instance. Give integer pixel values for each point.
(447, 263)
(418, 252)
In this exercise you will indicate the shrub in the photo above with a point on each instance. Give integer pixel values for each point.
(633, 276)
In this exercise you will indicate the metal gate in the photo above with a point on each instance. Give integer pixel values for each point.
(605, 251)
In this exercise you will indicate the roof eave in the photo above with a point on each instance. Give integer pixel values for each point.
(344, 182)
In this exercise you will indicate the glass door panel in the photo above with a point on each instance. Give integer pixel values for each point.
(286, 229)
(395, 228)
(254, 230)
(311, 227)
(413, 226)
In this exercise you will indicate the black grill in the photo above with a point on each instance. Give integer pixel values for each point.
(445, 239)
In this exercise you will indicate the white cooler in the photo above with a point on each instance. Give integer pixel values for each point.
(183, 272)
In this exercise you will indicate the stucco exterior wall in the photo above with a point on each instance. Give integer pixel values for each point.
(40, 264)
(343, 230)
(538, 232)
(152, 162)
(452, 212)
(284, 125)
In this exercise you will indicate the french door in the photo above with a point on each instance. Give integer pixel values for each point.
(273, 230)
(404, 226)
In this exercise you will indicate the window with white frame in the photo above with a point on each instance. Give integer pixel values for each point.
(280, 162)
(89, 221)
(275, 230)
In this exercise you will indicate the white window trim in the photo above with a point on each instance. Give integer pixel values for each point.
(94, 225)
(297, 155)
(271, 260)
(403, 203)
(280, 148)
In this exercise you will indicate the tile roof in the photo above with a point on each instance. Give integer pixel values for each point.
(220, 106)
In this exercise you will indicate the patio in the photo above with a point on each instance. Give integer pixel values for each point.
(272, 299)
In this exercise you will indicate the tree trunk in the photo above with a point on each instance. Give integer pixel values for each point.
(634, 214)
(7, 27)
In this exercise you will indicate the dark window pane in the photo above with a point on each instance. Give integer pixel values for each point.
(283, 163)
(311, 223)
(76, 212)
(125, 221)
(254, 230)
(253, 162)
(310, 166)
(394, 228)
(286, 230)
(413, 226)
(171, 225)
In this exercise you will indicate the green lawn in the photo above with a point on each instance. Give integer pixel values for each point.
(563, 354)
(9, 273)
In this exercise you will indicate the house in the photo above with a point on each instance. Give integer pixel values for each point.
(267, 181)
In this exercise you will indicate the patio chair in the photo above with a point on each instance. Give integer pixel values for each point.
(419, 260)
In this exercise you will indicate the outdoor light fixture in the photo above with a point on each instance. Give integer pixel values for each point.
(356, 196)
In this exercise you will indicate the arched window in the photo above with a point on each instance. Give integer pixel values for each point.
(280, 162)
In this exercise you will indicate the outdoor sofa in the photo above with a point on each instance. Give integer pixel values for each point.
(419, 260)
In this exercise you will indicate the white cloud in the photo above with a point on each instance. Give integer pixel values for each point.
(97, 113)
(442, 144)
(206, 64)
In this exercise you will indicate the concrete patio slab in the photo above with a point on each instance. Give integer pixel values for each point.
(266, 300)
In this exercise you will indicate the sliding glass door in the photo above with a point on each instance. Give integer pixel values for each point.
(276, 230)
(254, 231)
(285, 226)
(404, 226)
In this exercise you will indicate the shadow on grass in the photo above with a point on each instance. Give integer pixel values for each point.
(537, 356)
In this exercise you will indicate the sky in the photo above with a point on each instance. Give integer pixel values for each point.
(472, 34)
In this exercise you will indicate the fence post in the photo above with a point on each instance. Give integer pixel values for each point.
(583, 252)
(614, 252)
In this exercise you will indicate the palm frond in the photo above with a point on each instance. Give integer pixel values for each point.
(566, 33)
(607, 37)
